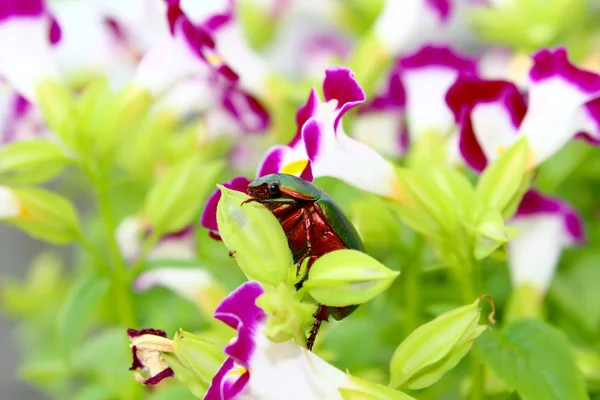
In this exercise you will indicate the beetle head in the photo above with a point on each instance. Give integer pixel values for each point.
(266, 187)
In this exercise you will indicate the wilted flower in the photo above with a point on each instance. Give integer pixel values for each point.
(146, 348)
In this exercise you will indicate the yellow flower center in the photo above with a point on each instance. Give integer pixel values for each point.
(294, 167)
(237, 371)
(213, 59)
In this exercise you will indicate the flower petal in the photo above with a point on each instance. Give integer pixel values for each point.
(9, 204)
(251, 115)
(129, 235)
(146, 346)
(547, 225)
(239, 311)
(588, 121)
(347, 159)
(427, 75)
(557, 90)
(209, 214)
(187, 282)
(340, 85)
(26, 35)
(228, 383)
(488, 113)
(304, 113)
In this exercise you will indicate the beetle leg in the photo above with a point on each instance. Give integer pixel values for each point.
(308, 248)
(322, 314)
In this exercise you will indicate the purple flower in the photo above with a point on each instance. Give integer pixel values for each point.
(258, 368)
(146, 348)
(493, 114)
(547, 225)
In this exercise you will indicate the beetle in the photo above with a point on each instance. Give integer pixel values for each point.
(314, 226)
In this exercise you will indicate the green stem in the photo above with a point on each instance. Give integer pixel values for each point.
(412, 274)
(101, 262)
(121, 284)
(477, 379)
(477, 367)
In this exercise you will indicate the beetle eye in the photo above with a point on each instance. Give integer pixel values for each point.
(273, 188)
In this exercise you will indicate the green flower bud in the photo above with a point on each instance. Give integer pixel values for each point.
(491, 234)
(287, 316)
(435, 348)
(176, 198)
(201, 357)
(501, 180)
(255, 237)
(41, 213)
(360, 389)
(346, 277)
(185, 375)
(56, 102)
(31, 161)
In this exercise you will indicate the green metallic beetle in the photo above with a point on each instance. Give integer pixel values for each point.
(314, 225)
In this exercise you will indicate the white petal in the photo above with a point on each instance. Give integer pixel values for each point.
(288, 371)
(9, 204)
(167, 63)
(187, 282)
(26, 57)
(129, 235)
(493, 128)
(380, 130)
(177, 248)
(426, 108)
(550, 120)
(535, 253)
(398, 23)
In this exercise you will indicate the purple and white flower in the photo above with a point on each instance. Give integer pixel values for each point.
(322, 148)
(146, 346)
(494, 114)
(27, 33)
(20, 118)
(547, 225)
(257, 368)
(133, 230)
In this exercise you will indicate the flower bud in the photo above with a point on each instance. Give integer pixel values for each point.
(31, 161)
(255, 238)
(491, 234)
(346, 277)
(286, 316)
(40, 213)
(360, 389)
(175, 199)
(57, 105)
(198, 355)
(435, 348)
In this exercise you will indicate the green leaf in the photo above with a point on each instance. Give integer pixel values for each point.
(78, 310)
(31, 161)
(46, 215)
(534, 359)
(501, 179)
(177, 196)
(95, 392)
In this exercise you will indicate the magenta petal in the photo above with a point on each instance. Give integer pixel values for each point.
(442, 56)
(307, 173)
(131, 333)
(312, 134)
(464, 95)
(153, 380)
(340, 85)
(536, 203)
(271, 163)
(592, 135)
(394, 98)
(21, 8)
(442, 7)
(209, 214)
(239, 311)
(54, 33)
(551, 63)
(250, 114)
(222, 386)
(304, 113)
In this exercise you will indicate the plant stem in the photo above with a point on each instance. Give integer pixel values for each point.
(121, 282)
(147, 247)
(412, 274)
(477, 379)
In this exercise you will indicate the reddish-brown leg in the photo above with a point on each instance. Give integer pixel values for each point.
(322, 314)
